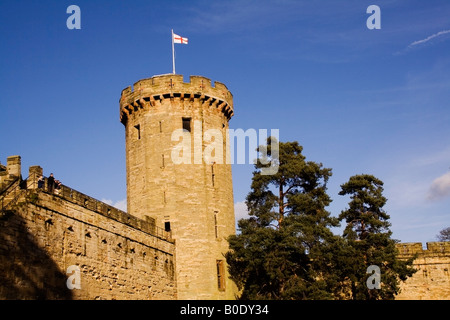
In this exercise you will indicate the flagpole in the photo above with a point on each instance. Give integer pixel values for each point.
(173, 54)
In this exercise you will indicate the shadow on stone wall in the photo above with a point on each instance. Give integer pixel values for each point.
(26, 270)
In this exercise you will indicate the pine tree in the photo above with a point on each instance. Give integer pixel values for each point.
(368, 240)
(280, 251)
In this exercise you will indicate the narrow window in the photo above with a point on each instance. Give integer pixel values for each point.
(187, 124)
(160, 127)
(216, 230)
(220, 275)
(167, 226)
(138, 131)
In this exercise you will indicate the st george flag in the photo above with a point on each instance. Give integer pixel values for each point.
(179, 39)
(176, 39)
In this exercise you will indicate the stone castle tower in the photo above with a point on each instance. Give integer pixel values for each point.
(193, 199)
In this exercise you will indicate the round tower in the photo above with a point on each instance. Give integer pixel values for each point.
(179, 173)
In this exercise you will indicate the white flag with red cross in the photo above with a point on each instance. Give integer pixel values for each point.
(176, 39)
(179, 39)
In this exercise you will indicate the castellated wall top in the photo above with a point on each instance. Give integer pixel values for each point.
(412, 248)
(431, 280)
(146, 92)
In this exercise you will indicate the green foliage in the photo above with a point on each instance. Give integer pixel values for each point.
(368, 238)
(286, 249)
(365, 214)
(276, 255)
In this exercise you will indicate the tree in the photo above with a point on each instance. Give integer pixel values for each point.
(369, 240)
(279, 251)
(444, 234)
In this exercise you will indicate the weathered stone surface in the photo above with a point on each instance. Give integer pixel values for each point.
(432, 279)
(43, 234)
(129, 255)
(196, 196)
(10, 172)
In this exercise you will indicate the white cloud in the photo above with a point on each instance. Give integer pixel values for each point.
(410, 176)
(440, 188)
(418, 43)
(121, 204)
(107, 201)
(440, 33)
(240, 211)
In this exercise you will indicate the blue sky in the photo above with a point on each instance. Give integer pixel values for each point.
(357, 100)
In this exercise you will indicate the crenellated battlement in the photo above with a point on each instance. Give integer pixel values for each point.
(155, 111)
(10, 172)
(73, 196)
(47, 228)
(146, 93)
(411, 248)
(431, 280)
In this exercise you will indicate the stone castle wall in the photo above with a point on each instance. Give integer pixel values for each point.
(118, 255)
(151, 111)
(10, 172)
(193, 198)
(432, 279)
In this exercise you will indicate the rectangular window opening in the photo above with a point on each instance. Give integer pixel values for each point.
(160, 127)
(138, 131)
(187, 124)
(220, 275)
(167, 226)
(216, 230)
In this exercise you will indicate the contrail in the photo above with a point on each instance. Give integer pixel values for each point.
(440, 33)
